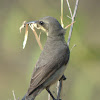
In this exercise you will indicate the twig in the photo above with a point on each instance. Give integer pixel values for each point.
(59, 89)
(14, 95)
(73, 18)
(36, 36)
(73, 47)
(62, 14)
(48, 96)
(59, 84)
(40, 36)
(26, 34)
(69, 25)
(69, 8)
(69, 17)
(22, 26)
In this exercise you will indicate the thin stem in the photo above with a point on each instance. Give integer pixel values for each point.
(59, 82)
(69, 8)
(69, 25)
(59, 86)
(72, 47)
(13, 94)
(37, 38)
(62, 13)
(48, 96)
(73, 18)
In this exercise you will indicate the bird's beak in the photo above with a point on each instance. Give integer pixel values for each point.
(32, 22)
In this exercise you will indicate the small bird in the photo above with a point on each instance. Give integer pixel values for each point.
(52, 62)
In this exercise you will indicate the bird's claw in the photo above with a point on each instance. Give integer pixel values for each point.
(63, 78)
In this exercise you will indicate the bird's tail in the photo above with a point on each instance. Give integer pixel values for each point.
(33, 95)
(28, 98)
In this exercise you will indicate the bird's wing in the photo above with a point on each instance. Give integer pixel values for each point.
(41, 74)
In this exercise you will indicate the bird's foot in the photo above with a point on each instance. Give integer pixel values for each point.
(63, 78)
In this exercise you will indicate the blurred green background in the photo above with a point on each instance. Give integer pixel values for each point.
(16, 64)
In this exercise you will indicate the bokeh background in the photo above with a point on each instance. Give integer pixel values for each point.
(16, 64)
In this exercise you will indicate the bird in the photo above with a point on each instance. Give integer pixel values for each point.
(53, 59)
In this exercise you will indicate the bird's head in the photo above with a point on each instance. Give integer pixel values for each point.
(49, 25)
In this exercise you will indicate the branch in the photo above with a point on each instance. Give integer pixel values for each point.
(48, 96)
(72, 47)
(61, 18)
(59, 89)
(69, 25)
(59, 84)
(69, 8)
(73, 18)
(13, 94)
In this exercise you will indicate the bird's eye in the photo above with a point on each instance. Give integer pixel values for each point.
(41, 22)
